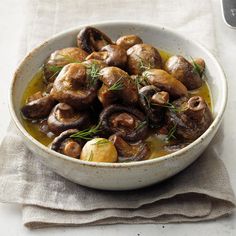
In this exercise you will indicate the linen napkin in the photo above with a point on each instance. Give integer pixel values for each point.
(201, 192)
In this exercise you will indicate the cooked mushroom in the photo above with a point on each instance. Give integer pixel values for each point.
(184, 71)
(127, 41)
(38, 106)
(142, 57)
(164, 81)
(60, 58)
(99, 150)
(66, 145)
(152, 101)
(128, 152)
(76, 86)
(64, 117)
(91, 39)
(127, 122)
(117, 86)
(191, 119)
(112, 55)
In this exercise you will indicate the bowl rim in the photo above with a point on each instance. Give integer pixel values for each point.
(55, 154)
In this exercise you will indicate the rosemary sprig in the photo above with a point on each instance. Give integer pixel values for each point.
(141, 81)
(54, 68)
(141, 125)
(171, 134)
(93, 72)
(197, 68)
(101, 142)
(169, 106)
(86, 134)
(146, 100)
(118, 85)
(143, 65)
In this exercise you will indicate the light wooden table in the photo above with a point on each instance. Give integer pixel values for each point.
(11, 23)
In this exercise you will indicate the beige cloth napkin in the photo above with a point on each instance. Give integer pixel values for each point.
(201, 192)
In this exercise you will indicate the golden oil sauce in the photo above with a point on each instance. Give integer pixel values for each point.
(156, 144)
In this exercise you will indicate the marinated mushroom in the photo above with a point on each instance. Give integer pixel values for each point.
(99, 150)
(152, 101)
(128, 152)
(117, 86)
(112, 55)
(189, 74)
(127, 41)
(191, 119)
(60, 58)
(127, 122)
(91, 39)
(142, 57)
(164, 81)
(38, 106)
(64, 117)
(66, 145)
(74, 86)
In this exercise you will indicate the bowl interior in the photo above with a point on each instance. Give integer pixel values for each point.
(157, 36)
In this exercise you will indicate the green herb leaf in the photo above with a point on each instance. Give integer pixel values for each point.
(170, 106)
(118, 85)
(86, 134)
(197, 68)
(141, 125)
(69, 58)
(93, 72)
(171, 134)
(143, 65)
(54, 68)
(101, 142)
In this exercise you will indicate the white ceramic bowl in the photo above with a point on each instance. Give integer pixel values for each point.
(121, 176)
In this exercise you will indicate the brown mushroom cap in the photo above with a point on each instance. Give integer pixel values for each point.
(164, 81)
(66, 145)
(91, 39)
(192, 119)
(183, 71)
(126, 91)
(142, 57)
(60, 58)
(127, 122)
(74, 86)
(38, 107)
(64, 117)
(128, 152)
(127, 41)
(112, 55)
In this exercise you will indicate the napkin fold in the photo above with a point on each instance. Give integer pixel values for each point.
(200, 192)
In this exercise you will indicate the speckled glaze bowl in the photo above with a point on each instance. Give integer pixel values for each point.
(121, 176)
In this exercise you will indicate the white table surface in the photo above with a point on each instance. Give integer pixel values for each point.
(11, 24)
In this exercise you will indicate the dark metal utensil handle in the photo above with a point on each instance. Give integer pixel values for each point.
(229, 12)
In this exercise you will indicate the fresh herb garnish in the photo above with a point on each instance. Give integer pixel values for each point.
(171, 134)
(147, 101)
(141, 125)
(197, 68)
(86, 134)
(143, 65)
(118, 85)
(141, 81)
(169, 106)
(54, 68)
(69, 58)
(93, 72)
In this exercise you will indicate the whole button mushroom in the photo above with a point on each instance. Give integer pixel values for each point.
(191, 119)
(142, 57)
(91, 39)
(76, 85)
(38, 106)
(99, 150)
(117, 86)
(164, 81)
(129, 152)
(112, 55)
(189, 74)
(60, 58)
(64, 117)
(127, 122)
(127, 41)
(66, 145)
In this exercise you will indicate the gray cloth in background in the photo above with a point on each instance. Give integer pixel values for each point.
(201, 192)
